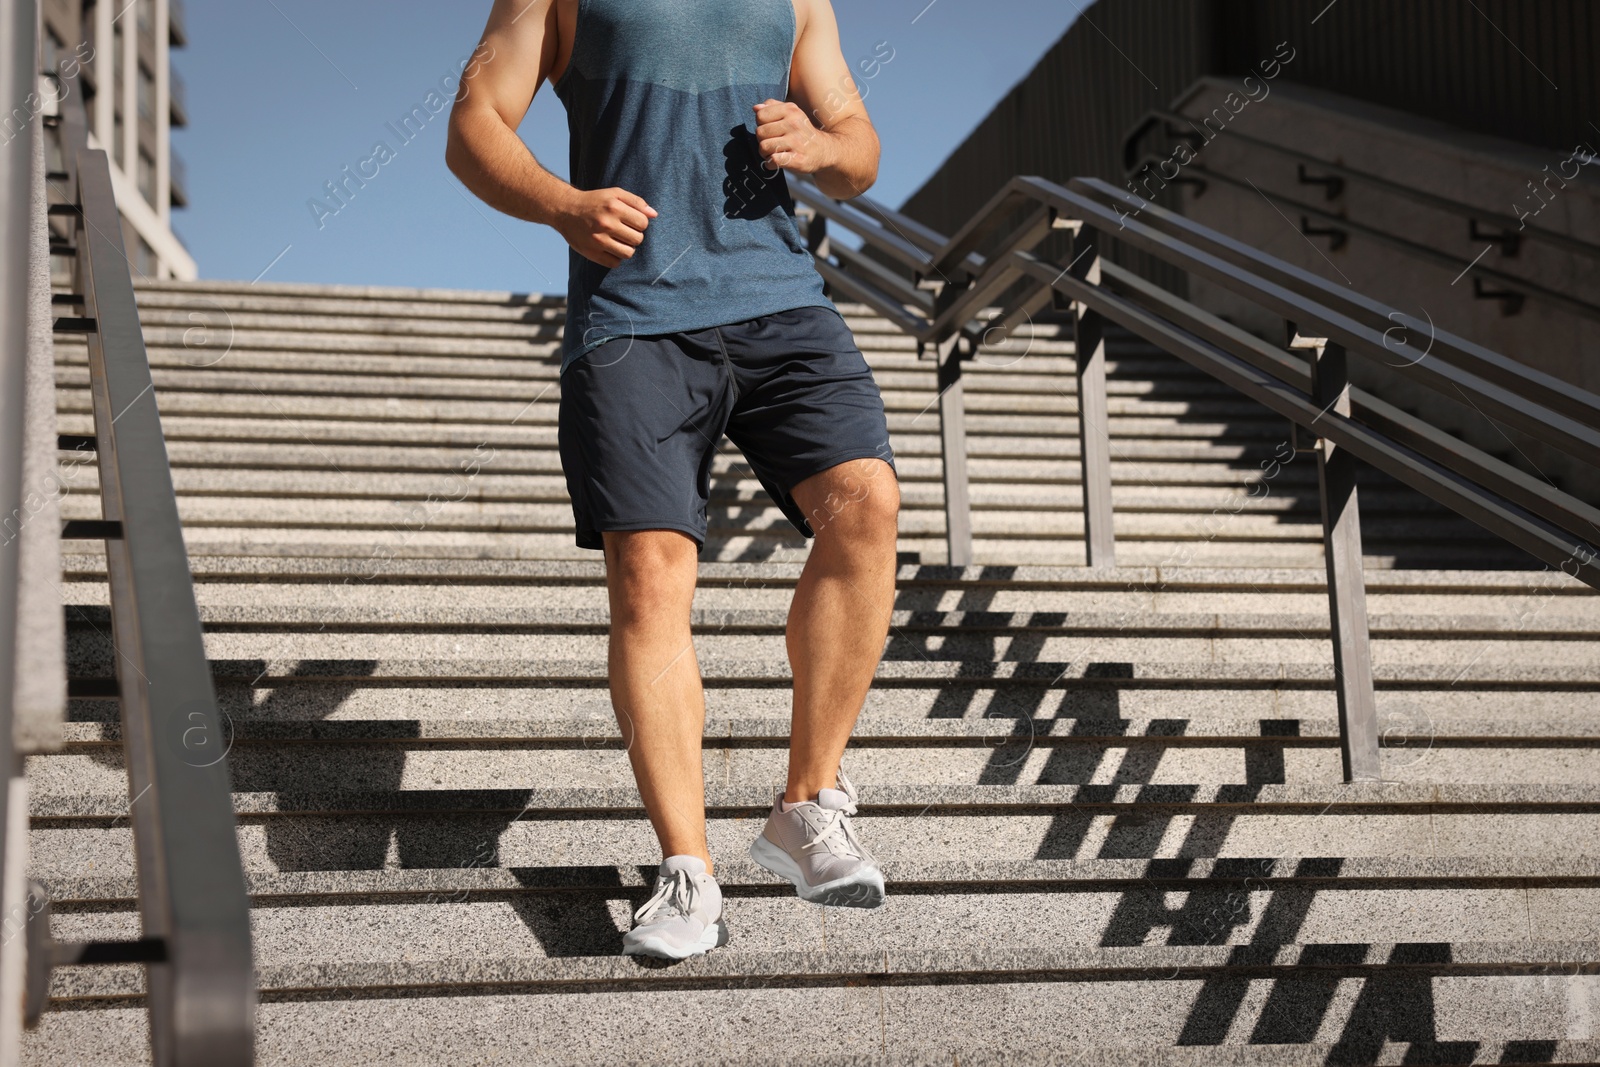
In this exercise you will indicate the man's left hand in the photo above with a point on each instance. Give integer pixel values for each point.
(788, 140)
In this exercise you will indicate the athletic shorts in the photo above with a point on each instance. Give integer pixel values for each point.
(642, 418)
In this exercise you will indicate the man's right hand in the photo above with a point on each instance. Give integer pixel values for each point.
(605, 225)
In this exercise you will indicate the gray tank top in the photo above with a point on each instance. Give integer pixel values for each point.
(659, 97)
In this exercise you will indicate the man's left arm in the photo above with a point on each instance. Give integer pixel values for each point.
(822, 129)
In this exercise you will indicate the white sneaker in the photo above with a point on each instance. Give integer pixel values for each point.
(683, 918)
(814, 845)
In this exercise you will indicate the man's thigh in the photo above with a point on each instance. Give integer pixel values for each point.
(807, 402)
(638, 426)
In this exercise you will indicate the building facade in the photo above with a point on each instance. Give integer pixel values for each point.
(118, 54)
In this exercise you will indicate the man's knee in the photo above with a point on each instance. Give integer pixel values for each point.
(859, 500)
(650, 573)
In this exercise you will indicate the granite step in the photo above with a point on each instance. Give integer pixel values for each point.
(1011, 752)
(785, 546)
(1261, 717)
(1426, 962)
(1306, 800)
(751, 600)
(1235, 876)
(728, 487)
(441, 609)
(514, 827)
(887, 1026)
(993, 710)
(533, 932)
(443, 515)
(498, 404)
(1547, 586)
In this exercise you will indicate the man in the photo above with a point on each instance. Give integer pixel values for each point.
(694, 310)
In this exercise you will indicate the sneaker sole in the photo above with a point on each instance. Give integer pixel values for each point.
(864, 889)
(715, 937)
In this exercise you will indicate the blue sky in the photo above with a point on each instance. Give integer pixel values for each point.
(283, 94)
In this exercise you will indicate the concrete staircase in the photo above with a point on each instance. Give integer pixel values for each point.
(1108, 803)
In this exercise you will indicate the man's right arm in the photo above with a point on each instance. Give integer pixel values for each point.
(519, 48)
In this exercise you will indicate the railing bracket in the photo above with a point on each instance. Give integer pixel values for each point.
(1510, 241)
(1510, 302)
(1337, 238)
(45, 953)
(1332, 185)
(91, 530)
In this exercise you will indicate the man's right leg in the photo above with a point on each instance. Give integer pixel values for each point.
(640, 418)
(655, 681)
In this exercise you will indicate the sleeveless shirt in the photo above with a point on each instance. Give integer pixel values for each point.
(659, 97)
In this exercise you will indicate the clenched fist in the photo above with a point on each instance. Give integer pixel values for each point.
(605, 225)
(789, 141)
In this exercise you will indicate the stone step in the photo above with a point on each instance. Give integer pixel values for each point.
(451, 934)
(986, 580)
(377, 522)
(1131, 373)
(1011, 753)
(398, 600)
(95, 723)
(210, 339)
(988, 415)
(905, 1026)
(356, 444)
(382, 318)
(369, 605)
(749, 799)
(729, 488)
(436, 829)
(450, 451)
(730, 969)
(255, 311)
(1258, 653)
(539, 358)
(583, 712)
(780, 544)
(1243, 877)
(536, 406)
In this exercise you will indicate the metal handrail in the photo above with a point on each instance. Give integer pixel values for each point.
(1307, 381)
(19, 50)
(200, 985)
(1158, 226)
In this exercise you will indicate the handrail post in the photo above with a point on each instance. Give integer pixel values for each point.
(817, 235)
(1094, 419)
(1347, 594)
(953, 454)
(949, 353)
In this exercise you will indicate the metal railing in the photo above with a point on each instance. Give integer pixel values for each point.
(196, 948)
(19, 43)
(952, 280)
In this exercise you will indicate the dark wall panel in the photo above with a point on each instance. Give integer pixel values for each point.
(1526, 70)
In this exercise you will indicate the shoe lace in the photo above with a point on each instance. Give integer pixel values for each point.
(837, 835)
(676, 896)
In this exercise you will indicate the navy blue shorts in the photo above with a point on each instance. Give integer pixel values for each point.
(642, 417)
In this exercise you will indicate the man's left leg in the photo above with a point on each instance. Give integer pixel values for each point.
(837, 625)
(839, 618)
(809, 418)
